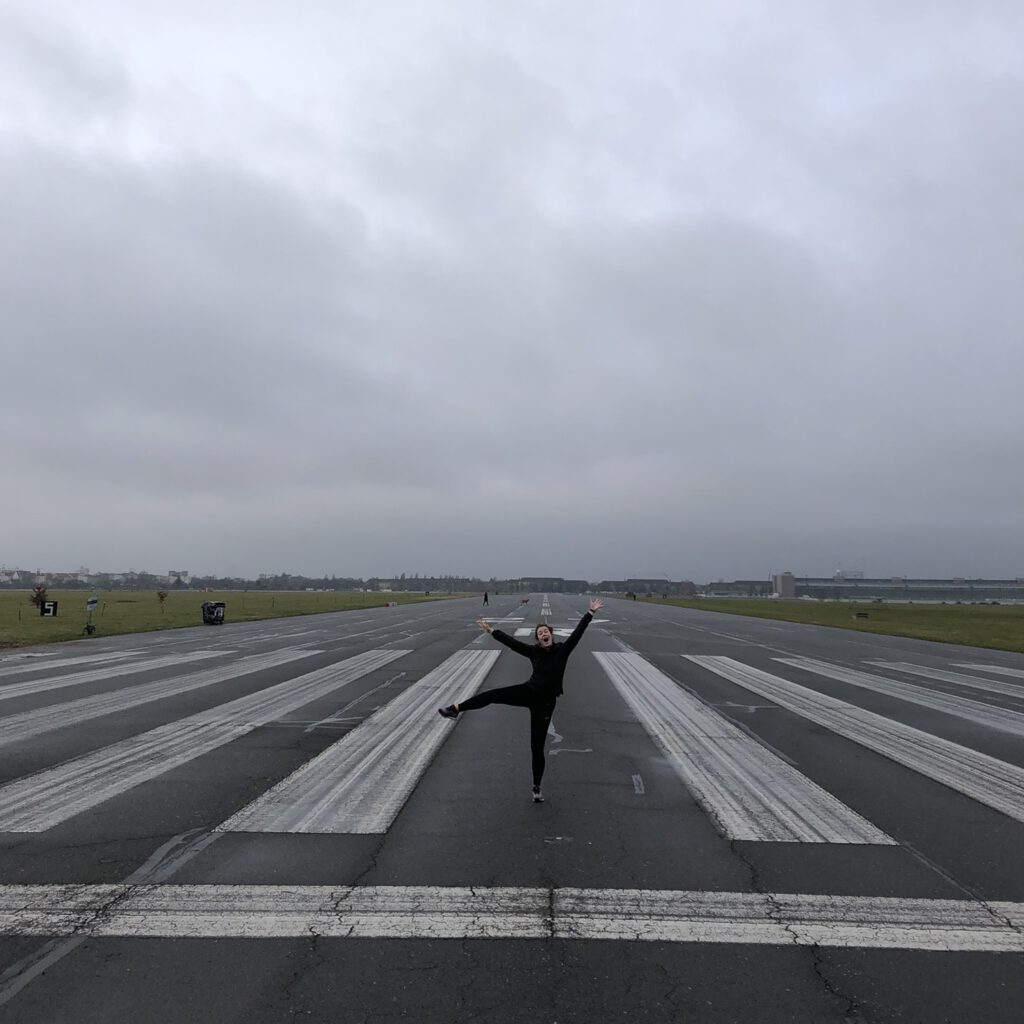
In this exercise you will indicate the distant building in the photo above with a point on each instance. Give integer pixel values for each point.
(785, 584)
(550, 585)
(738, 588)
(648, 587)
(904, 588)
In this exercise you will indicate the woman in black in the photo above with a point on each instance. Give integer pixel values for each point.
(540, 692)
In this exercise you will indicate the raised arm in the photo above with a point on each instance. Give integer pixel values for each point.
(503, 638)
(588, 616)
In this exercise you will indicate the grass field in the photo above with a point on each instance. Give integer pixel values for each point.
(981, 625)
(119, 611)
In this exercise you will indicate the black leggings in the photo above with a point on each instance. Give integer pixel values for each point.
(541, 708)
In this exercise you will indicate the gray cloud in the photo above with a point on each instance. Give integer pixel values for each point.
(553, 290)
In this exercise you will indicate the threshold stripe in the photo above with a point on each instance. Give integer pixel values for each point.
(23, 663)
(359, 784)
(988, 780)
(961, 707)
(59, 716)
(23, 689)
(1017, 673)
(958, 678)
(41, 801)
(425, 912)
(749, 792)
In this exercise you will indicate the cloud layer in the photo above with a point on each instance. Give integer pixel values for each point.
(555, 289)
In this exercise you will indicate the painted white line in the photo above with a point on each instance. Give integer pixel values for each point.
(638, 785)
(32, 686)
(40, 801)
(340, 716)
(359, 784)
(959, 678)
(426, 912)
(961, 707)
(986, 779)
(557, 631)
(749, 792)
(1018, 673)
(59, 716)
(17, 667)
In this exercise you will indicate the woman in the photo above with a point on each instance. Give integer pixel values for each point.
(540, 692)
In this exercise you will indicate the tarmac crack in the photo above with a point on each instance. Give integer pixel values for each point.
(776, 913)
(310, 960)
(973, 894)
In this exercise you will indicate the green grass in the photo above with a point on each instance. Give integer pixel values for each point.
(997, 626)
(120, 612)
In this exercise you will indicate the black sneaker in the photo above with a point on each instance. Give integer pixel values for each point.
(537, 797)
(448, 712)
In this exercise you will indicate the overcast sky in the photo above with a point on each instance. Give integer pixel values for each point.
(575, 288)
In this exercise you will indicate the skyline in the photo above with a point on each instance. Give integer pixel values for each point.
(839, 574)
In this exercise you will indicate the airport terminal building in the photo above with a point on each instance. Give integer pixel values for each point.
(966, 590)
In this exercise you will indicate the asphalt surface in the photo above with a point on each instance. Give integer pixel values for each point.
(618, 817)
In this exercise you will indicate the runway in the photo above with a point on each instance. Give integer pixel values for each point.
(746, 820)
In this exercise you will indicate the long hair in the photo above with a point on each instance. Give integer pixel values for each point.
(546, 626)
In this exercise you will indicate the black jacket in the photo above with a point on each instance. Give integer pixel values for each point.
(548, 662)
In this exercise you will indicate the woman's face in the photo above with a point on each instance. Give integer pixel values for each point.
(544, 637)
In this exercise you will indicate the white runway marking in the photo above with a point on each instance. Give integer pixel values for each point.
(961, 707)
(20, 663)
(959, 678)
(59, 716)
(426, 912)
(359, 784)
(998, 669)
(638, 785)
(40, 801)
(986, 779)
(748, 791)
(12, 690)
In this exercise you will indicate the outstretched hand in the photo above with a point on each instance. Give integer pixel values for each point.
(485, 625)
(596, 605)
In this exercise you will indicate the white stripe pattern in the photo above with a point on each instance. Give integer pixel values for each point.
(958, 678)
(25, 664)
(391, 912)
(1017, 673)
(43, 800)
(961, 707)
(986, 779)
(15, 728)
(33, 686)
(749, 792)
(360, 783)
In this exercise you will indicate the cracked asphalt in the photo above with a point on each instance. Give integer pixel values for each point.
(470, 822)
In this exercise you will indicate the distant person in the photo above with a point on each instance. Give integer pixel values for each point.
(485, 598)
(540, 692)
